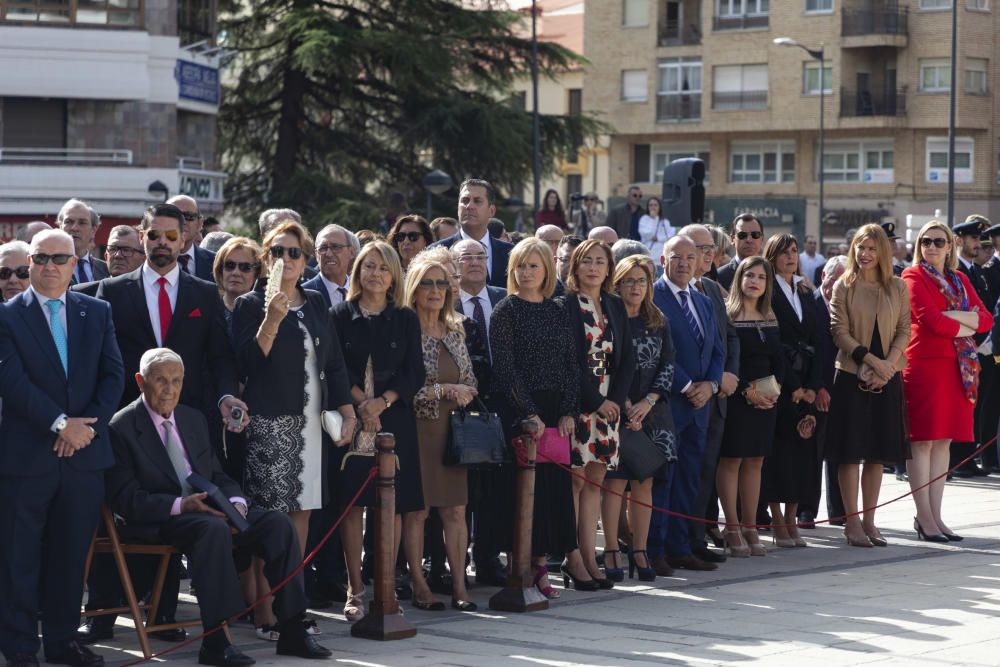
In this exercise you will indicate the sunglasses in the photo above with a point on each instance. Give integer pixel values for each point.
(191, 216)
(279, 251)
(124, 251)
(937, 243)
(21, 272)
(42, 259)
(742, 236)
(244, 267)
(412, 237)
(427, 283)
(170, 234)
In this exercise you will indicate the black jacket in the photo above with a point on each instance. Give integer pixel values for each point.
(796, 337)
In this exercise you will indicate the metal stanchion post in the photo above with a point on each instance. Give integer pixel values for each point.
(384, 620)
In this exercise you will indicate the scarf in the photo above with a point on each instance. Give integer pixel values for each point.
(950, 285)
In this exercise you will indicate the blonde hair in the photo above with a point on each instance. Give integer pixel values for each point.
(520, 253)
(951, 260)
(228, 248)
(419, 267)
(388, 255)
(652, 317)
(883, 248)
(734, 302)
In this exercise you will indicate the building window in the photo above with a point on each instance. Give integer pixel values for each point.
(739, 87)
(810, 78)
(935, 75)
(976, 72)
(574, 101)
(640, 163)
(937, 159)
(118, 13)
(634, 85)
(978, 5)
(819, 6)
(31, 122)
(858, 162)
(935, 4)
(762, 163)
(741, 14)
(195, 21)
(519, 100)
(636, 13)
(574, 185)
(678, 93)
(664, 155)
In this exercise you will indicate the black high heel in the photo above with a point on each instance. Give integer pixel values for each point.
(578, 584)
(716, 537)
(952, 537)
(924, 536)
(613, 573)
(645, 573)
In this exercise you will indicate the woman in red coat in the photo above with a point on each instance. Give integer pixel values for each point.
(941, 381)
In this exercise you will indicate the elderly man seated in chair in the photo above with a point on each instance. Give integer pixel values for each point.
(157, 444)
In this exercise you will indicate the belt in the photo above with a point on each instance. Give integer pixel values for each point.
(598, 363)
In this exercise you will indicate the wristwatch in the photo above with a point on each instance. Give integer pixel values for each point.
(62, 424)
(715, 387)
(651, 401)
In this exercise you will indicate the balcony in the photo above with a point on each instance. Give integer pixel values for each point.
(672, 34)
(863, 28)
(96, 13)
(741, 22)
(64, 156)
(679, 22)
(739, 99)
(866, 103)
(674, 107)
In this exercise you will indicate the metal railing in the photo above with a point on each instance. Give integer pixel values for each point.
(672, 33)
(887, 21)
(677, 107)
(741, 22)
(740, 99)
(858, 104)
(114, 156)
(187, 162)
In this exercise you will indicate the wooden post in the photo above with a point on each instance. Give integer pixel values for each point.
(384, 620)
(520, 593)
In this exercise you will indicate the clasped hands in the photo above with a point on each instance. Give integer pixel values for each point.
(77, 435)
(883, 371)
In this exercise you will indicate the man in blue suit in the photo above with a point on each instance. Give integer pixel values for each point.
(476, 205)
(697, 373)
(60, 379)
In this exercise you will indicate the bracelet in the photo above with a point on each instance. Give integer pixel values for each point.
(437, 391)
(651, 401)
(261, 332)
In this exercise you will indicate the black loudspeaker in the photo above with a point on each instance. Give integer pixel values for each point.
(684, 192)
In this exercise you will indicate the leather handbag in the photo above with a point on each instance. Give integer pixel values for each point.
(766, 386)
(552, 447)
(333, 424)
(476, 437)
(639, 457)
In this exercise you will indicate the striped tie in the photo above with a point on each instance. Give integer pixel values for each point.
(689, 316)
(58, 332)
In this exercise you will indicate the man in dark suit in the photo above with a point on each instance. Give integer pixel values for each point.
(336, 249)
(748, 237)
(624, 219)
(60, 381)
(991, 413)
(157, 445)
(79, 219)
(697, 377)
(476, 205)
(193, 259)
(123, 253)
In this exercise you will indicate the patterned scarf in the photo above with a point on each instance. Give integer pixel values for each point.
(955, 298)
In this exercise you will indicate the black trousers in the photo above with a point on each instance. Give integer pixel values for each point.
(706, 503)
(491, 510)
(328, 566)
(104, 586)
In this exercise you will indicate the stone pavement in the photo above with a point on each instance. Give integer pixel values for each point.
(912, 603)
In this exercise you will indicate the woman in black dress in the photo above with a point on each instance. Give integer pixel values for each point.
(789, 470)
(536, 376)
(751, 414)
(381, 344)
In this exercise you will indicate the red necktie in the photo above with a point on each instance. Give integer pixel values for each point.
(184, 259)
(165, 310)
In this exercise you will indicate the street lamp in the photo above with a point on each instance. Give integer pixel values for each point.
(435, 182)
(818, 55)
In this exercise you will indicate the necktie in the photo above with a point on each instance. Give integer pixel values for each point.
(176, 458)
(81, 271)
(58, 333)
(184, 259)
(689, 316)
(165, 310)
(480, 317)
(489, 264)
(697, 284)
(343, 293)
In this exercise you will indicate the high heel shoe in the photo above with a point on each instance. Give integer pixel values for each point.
(716, 537)
(753, 542)
(645, 573)
(952, 537)
(735, 546)
(549, 592)
(613, 573)
(857, 541)
(578, 584)
(876, 538)
(793, 533)
(783, 542)
(924, 536)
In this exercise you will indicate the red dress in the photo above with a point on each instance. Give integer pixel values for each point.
(935, 399)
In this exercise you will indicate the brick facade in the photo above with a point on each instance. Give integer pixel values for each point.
(148, 130)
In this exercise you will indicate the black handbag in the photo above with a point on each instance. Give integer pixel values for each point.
(639, 457)
(476, 437)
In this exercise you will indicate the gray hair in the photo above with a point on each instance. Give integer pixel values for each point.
(26, 232)
(626, 248)
(456, 248)
(95, 219)
(215, 240)
(695, 227)
(122, 230)
(348, 234)
(12, 247)
(830, 268)
(47, 234)
(155, 357)
(272, 216)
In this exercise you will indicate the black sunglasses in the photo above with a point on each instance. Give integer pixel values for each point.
(937, 243)
(412, 237)
(170, 234)
(427, 283)
(42, 259)
(278, 251)
(21, 272)
(244, 267)
(742, 236)
(191, 216)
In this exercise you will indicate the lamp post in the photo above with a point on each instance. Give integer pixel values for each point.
(435, 182)
(818, 55)
(536, 162)
(951, 116)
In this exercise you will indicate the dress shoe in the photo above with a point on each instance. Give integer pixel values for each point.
(305, 646)
(979, 472)
(807, 520)
(75, 654)
(661, 567)
(174, 635)
(93, 631)
(691, 562)
(229, 656)
(440, 584)
(962, 473)
(902, 477)
(707, 555)
(23, 660)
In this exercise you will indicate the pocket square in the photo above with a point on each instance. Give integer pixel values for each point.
(195, 313)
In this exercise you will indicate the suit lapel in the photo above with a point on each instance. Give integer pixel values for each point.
(76, 320)
(151, 443)
(39, 326)
(184, 305)
(137, 295)
(193, 443)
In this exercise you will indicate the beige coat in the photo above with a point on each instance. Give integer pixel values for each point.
(854, 311)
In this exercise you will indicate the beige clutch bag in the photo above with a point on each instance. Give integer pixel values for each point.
(767, 386)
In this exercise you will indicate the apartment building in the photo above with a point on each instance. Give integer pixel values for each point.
(704, 78)
(112, 101)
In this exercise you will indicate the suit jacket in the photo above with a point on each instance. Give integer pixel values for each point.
(500, 251)
(197, 333)
(620, 220)
(826, 351)
(98, 268)
(991, 272)
(90, 289)
(978, 280)
(36, 390)
(727, 335)
(793, 332)
(204, 260)
(142, 486)
(692, 363)
(726, 273)
(316, 284)
(476, 342)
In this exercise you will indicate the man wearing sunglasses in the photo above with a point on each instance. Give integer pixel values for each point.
(13, 268)
(336, 249)
(624, 219)
(123, 254)
(748, 237)
(193, 258)
(60, 381)
(79, 219)
(476, 205)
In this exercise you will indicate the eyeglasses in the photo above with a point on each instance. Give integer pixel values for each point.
(634, 282)
(706, 248)
(636, 195)
(21, 272)
(42, 259)
(427, 283)
(244, 267)
(124, 251)
(742, 236)
(190, 216)
(468, 259)
(330, 247)
(926, 242)
(170, 234)
(279, 251)
(412, 237)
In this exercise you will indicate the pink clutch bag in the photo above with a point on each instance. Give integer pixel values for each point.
(552, 447)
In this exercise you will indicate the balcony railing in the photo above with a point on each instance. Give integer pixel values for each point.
(893, 21)
(103, 13)
(39, 156)
(741, 22)
(740, 99)
(677, 107)
(858, 104)
(672, 33)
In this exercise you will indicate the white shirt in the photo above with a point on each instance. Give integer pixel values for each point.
(189, 253)
(810, 264)
(468, 307)
(792, 293)
(87, 262)
(966, 263)
(487, 246)
(332, 289)
(677, 295)
(32, 294)
(152, 290)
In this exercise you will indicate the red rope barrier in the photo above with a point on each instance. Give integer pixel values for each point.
(295, 573)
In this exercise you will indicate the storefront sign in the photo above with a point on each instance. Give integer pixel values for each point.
(198, 83)
(205, 186)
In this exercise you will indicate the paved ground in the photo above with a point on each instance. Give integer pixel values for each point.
(912, 603)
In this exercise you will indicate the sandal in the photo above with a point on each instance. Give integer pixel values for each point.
(549, 592)
(267, 632)
(354, 608)
(433, 605)
(462, 605)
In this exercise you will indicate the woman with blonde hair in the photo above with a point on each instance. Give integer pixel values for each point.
(235, 269)
(870, 324)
